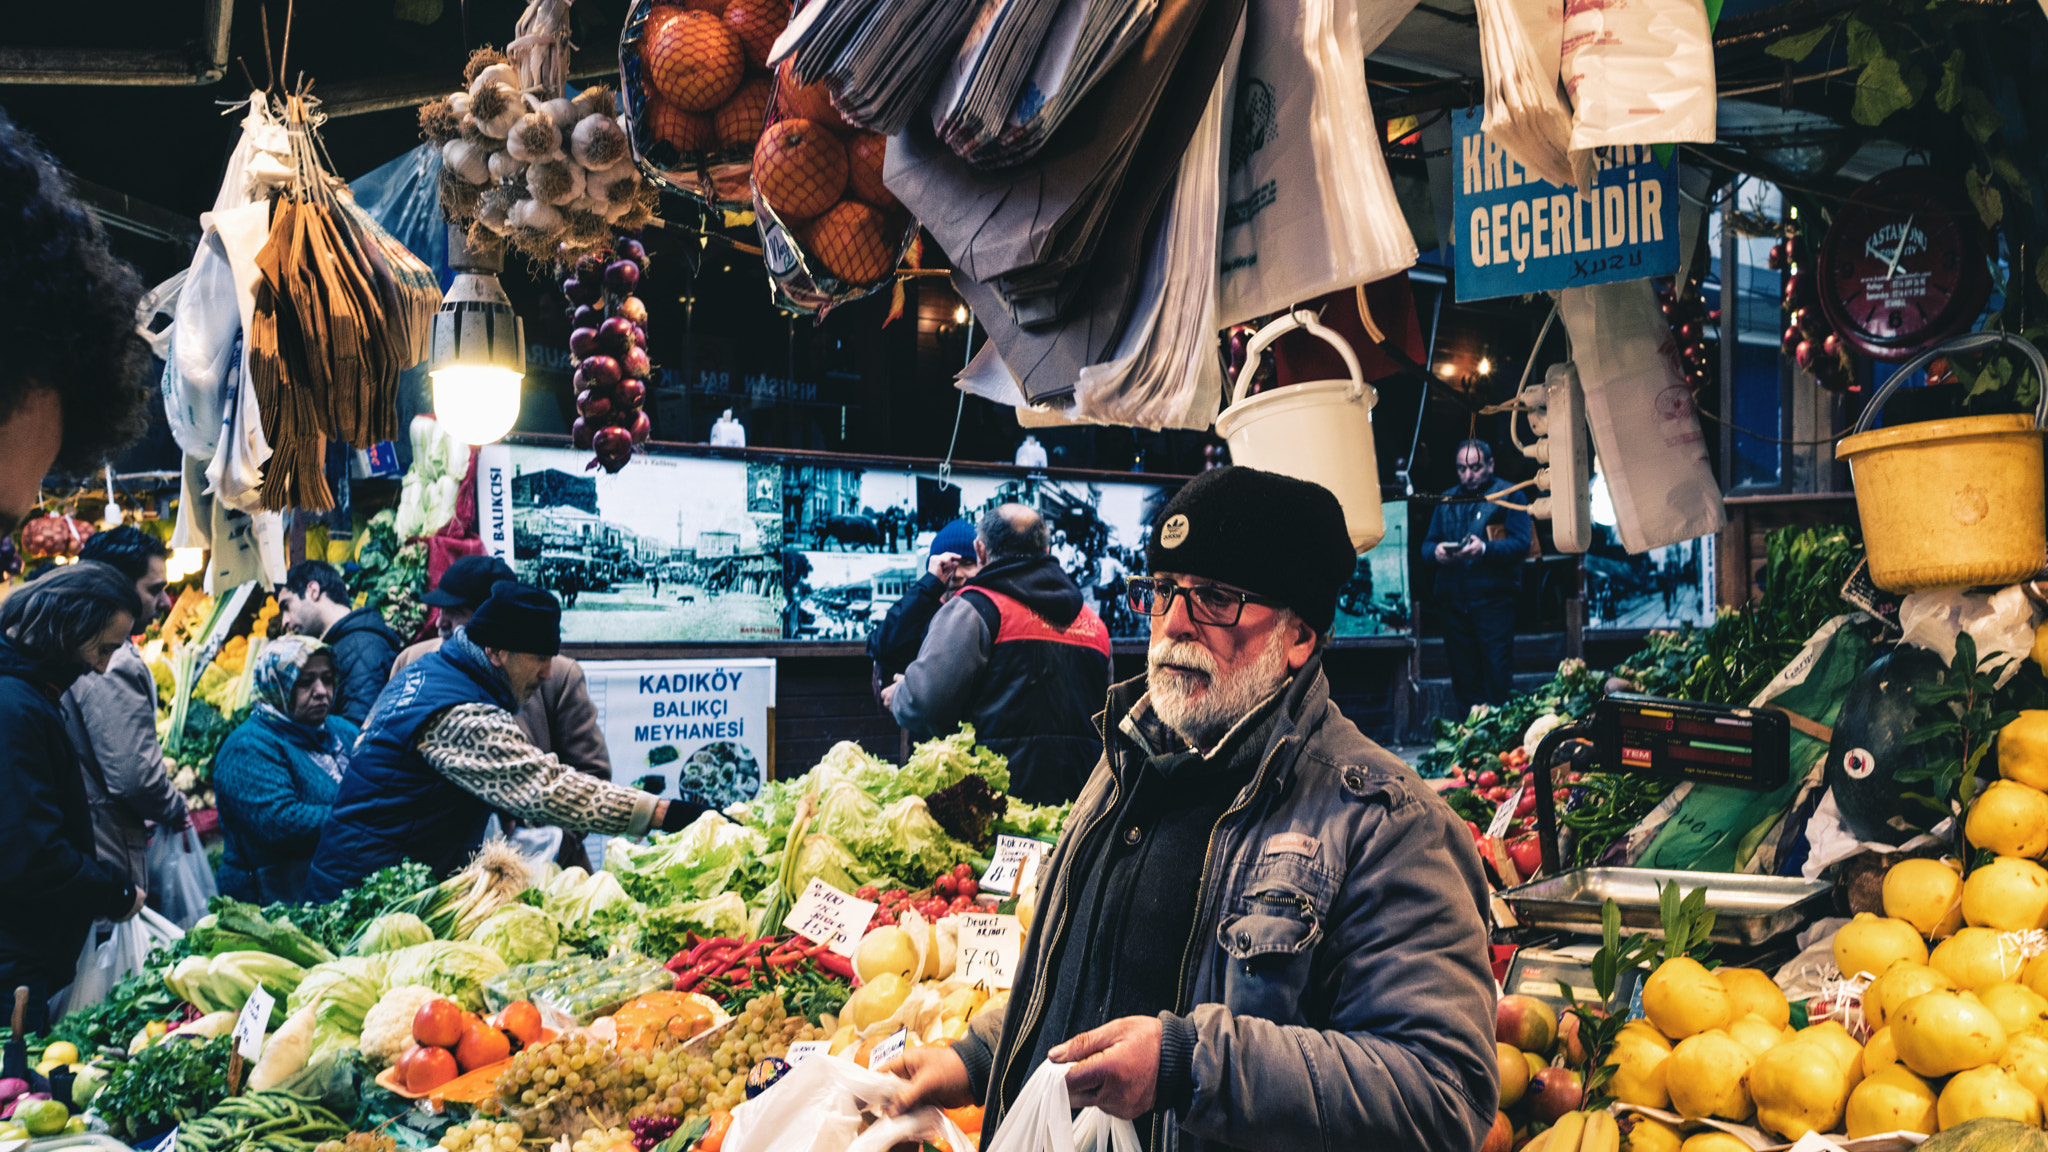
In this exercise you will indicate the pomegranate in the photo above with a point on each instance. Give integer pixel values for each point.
(757, 23)
(807, 101)
(799, 168)
(683, 131)
(864, 155)
(851, 240)
(692, 59)
(739, 119)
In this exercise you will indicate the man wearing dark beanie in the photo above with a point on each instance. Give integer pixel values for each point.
(1324, 982)
(442, 749)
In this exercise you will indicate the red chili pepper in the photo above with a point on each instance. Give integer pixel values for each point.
(786, 960)
(834, 963)
(686, 981)
(678, 962)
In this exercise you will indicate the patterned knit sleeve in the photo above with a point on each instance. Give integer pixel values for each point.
(482, 750)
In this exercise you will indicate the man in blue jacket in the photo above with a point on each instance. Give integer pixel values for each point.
(1478, 548)
(443, 749)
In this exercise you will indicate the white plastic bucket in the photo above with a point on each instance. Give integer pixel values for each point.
(1319, 431)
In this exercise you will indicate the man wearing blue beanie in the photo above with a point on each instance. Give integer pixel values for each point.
(949, 565)
(442, 749)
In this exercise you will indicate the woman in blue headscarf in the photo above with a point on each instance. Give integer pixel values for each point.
(276, 775)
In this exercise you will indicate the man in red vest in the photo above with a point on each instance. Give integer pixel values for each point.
(1019, 655)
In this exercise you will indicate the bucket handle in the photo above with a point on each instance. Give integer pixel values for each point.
(1974, 342)
(1302, 318)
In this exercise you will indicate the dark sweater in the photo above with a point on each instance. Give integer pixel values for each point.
(1135, 908)
(364, 649)
(54, 882)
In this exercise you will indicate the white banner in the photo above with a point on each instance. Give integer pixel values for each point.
(702, 725)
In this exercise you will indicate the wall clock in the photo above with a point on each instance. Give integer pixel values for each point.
(1903, 266)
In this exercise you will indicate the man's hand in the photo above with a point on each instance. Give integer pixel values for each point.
(140, 898)
(944, 566)
(1444, 553)
(1115, 1067)
(889, 692)
(1472, 548)
(937, 1076)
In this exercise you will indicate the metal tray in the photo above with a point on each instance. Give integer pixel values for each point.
(1751, 909)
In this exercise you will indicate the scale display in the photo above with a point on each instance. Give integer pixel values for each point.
(1688, 740)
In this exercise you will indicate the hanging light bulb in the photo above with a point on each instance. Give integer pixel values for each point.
(960, 314)
(1485, 366)
(185, 562)
(479, 348)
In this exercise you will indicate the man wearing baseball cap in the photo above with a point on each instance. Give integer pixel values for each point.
(559, 717)
(1324, 982)
(442, 749)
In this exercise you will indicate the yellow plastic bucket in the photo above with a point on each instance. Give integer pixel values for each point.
(1320, 430)
(1951, 503)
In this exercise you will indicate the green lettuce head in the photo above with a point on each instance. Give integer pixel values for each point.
(519, 934)
(457, 969)
(391, 932)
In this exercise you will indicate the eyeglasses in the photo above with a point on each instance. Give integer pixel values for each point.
(1209, 604)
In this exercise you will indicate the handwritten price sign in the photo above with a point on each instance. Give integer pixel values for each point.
(825, 915)
(1005, 868)
(988, 950)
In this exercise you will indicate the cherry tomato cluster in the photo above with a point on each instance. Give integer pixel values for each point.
(1808, 339)
(951, 893)
(610, 346)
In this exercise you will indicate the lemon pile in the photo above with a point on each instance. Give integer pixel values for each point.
(1959, 1014)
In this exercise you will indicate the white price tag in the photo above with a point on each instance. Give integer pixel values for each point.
(1504, 816)
(889, 1049)
(1010, 855)
(803, 1050)
(988, 950)
(825, 915)
(251, 1024)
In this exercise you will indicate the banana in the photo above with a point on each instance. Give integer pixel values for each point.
(1602, 1134)
(1567, 1132)
(1541, 1142)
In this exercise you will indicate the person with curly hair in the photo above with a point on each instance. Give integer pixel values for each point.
(71, 390)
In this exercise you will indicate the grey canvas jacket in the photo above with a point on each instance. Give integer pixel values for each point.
(1336, 985)
(111, 717)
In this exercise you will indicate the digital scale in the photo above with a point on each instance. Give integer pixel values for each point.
(1745, 748)
(1748, 748)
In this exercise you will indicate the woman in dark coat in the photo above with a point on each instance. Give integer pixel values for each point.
(276, 775)
(52, 631)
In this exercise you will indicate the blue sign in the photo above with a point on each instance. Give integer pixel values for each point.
(1515, 232)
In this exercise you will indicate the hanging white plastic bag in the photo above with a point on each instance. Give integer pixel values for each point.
(1526, 110)
(125, 953)
(2001, 623)
(1309, 206)
(1042, 1120)
(1646, 431)
(1639, 73)
(817, 1107)
(179, 876)
(156, 314)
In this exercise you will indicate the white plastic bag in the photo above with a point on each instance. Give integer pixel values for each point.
(1308, 205)
(179, 876)
(817, 1108)
(1638, 73)
(160, 302)
(124, 954)
(1042, 1120)
(1526, 112)
(1645, 429)
(2001, 623)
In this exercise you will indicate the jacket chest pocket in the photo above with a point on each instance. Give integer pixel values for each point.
(1269, 936)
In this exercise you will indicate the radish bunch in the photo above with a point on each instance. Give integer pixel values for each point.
(610, 346)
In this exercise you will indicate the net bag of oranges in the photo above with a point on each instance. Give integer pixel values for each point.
(830, 231)
(697, 86)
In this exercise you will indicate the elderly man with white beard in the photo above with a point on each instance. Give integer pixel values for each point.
(1260, 930)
